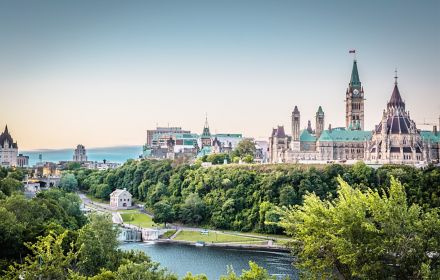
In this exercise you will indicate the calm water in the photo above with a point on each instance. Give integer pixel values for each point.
(213, 261)
(111, 154)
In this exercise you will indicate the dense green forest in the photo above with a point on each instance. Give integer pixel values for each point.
(364, 234)
(48, 237)
(245, 197)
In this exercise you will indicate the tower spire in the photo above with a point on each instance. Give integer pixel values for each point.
(354, 80)
(6, 129)
(396, 100)
(206, 120)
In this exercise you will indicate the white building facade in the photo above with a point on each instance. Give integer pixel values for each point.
(121, 199)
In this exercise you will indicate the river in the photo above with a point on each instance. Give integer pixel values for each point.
(213, 261)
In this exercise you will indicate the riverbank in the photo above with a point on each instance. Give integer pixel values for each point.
(228, 245)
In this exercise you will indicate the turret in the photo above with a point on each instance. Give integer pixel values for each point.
(296, 126)
(319, 121)
(206, 134)
(309, 126)
(296, 117)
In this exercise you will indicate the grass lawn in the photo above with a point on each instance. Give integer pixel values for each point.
(169, 233)
(262, 235)
(133, 217)
(213, 237)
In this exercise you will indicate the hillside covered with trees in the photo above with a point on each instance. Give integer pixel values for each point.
(245, 197)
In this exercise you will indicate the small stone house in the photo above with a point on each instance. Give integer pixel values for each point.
(120, 199)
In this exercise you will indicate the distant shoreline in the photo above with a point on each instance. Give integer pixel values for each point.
(118, 154)
(73, 148)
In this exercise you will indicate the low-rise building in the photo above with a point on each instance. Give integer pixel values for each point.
(120, 199)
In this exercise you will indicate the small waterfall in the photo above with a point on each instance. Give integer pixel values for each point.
(130, 235)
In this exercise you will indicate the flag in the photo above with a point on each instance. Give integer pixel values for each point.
(352, 51)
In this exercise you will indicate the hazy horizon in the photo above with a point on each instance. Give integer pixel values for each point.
(102, 72)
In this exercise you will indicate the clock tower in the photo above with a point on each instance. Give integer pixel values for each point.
(354, 102)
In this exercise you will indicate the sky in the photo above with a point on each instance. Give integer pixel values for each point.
(102, 72)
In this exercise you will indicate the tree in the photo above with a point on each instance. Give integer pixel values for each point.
(190, 276)
(255, 272)
(245, 147)
(10, 234)
(9, 185)
(193, 210)
(103, 191)
(97, 243)
(144, 271)
(248, 158)
(363, 235)
(163, 213)
(48, 260)
(68, 182)
(73, 165)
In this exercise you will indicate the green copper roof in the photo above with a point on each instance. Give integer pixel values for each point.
(158, 136)
(343, 135)
(430, 136)
(233, 135)
(306, 136)
(320, 111)
(355, 81)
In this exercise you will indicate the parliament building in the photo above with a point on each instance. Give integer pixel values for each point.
(395, 139)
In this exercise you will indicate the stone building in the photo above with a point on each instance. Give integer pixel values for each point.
(278, 145)
(163, 130)
(120, 199)
(395, 139)
(22, 160)
(8, 149)
(80, 154)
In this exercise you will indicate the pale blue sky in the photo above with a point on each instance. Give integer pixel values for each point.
(102, 72)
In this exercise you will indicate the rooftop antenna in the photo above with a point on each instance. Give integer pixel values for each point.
(395, 76)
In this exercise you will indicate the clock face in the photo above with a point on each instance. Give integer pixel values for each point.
(356, 92)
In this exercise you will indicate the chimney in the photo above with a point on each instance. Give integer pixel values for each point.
(330, 128)
(435, 130)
